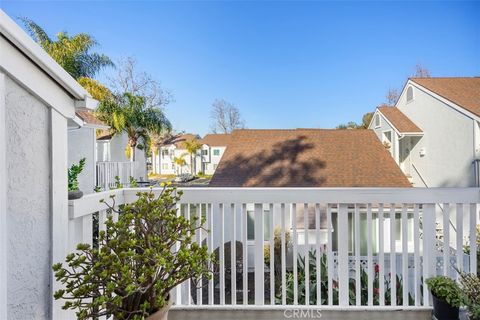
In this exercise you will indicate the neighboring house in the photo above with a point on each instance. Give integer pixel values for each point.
(112, 160)
(172, 149)
(213, 148)
(205, 160)
(38, 99)
(433, 132)
(82, 144)
(309, 158)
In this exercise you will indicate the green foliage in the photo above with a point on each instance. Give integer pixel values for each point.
(97, 189)
(192, 146)
(130, 114)
(71, 52)
(73, 173)
(133, 182)
(118, 184)
(136, 264)
(446, 289)
(352, 284)
(470, 286)
(366, 119)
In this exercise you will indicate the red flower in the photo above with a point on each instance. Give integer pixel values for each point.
(377, 268)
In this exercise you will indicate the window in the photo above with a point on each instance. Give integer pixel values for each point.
(204, 152)
(164, 153)
(377, 120)
(165, 166)
(216, 152)
(409, 94)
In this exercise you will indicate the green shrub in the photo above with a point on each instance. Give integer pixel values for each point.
(131, 272)
(73, 173)
(446, 289)
(470, 286)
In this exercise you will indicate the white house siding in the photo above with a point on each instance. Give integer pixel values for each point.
(28, 204)
(379, 131)
(447, 142)
(118, 144)
(214, 160)
(81, 144)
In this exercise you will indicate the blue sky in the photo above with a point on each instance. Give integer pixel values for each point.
(284, 64)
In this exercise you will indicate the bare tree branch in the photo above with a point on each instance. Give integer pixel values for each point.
(140, 83)
(226, 117)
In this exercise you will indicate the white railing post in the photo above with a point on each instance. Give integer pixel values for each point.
(342, 219)
(473, 238)
(3, 201)
(259, 262)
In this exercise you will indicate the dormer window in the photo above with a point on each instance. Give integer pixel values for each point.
(409, 94)
(377, 120)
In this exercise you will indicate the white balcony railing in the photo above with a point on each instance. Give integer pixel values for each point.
(108, 170)
(373, 243)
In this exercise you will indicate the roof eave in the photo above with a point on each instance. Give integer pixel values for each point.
(13, 33)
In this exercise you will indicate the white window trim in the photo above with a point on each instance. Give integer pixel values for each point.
(406, 95)
(379, 120)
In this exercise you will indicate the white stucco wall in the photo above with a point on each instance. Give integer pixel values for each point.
(28, 204)
(81, 144)
(214, 160)
(448, 142)
(118, 143)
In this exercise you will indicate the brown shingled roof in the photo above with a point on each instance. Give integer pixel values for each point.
(464, 92)
(216, 140)
(399, 120)
(179, 140)
(89, 118)
(307, 158)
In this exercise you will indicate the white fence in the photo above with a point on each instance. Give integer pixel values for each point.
(367, 245)
(108, 170)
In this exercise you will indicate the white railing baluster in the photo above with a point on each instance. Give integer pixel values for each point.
(245, 253)
(272, 256)
(343, 279)
(405, 254)
(473, 238)
(211, 288)
(358, 288)
(393, 257)
(187, 283)
(233, 256)
(178, 289)
(370, 239)
(283, 254)
(306, 254)
(221, 212)
(381, 255)
(87, 229)
(459, 248)
(259, 259)
(318, 267)
(199, 241)
(429, 247)
(329, 255)
(416, 253)
(295, 253)
(446, 239)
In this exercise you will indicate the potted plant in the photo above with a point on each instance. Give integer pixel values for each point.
(470, 285)
(447, 297)
(137, 263)
(73, 172)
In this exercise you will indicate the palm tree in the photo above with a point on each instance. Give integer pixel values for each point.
(180, 161)
(128, 113)
(192, 147)
(71, 52)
